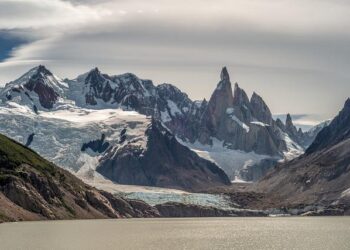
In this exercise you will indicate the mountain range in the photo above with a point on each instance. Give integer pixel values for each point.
(126, 130)
(41, 110)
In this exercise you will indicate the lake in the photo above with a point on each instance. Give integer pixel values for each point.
(191, 233)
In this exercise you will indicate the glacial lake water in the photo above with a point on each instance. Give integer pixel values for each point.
(191, 233)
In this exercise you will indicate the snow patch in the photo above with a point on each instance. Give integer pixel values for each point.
(230, 111)
(164, 116)
(173, 108)
(240, 123)
(231, 161)
(260, 124)
(293, 149)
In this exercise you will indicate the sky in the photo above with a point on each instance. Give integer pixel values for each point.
(294, 53)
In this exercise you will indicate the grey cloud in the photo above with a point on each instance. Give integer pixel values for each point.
(295, 67)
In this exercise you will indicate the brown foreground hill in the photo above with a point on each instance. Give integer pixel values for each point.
(31, 188)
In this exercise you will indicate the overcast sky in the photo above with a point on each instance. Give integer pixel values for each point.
(294, 53)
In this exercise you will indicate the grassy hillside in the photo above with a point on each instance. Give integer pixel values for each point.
(32, 188)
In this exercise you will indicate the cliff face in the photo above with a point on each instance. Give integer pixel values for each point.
(32, 188)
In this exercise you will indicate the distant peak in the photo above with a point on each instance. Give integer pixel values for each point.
(239, 96)
(95, 70)
(224, 84)
(289, 121)
(255, 95)
(278, 120)
(257, 98)
(224, 74)
(41, 69)
(94, 73)
(347, 103)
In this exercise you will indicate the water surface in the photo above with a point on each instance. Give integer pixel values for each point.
(202, 233)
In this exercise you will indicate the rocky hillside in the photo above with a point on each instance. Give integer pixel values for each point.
(321, 175)
(32, 188)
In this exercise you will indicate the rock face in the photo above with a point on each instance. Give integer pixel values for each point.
(257, 171)
(321, 175)
(46, 93)
(260, 110)
(32, 188)
(291, 129)
(214, 118)
(163, 163)
(338, 130)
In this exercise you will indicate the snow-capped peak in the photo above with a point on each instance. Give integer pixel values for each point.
(38, 88)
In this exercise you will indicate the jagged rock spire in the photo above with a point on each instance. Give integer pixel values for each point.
(224, 74)
(260, 110)
(280, 124)
(224, 85)
(289, 121)
(240, 97)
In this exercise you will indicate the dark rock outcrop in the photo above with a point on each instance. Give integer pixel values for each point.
(163, 163)
(38, 84)
(29, 139)
(256, 171)
(98, 146)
